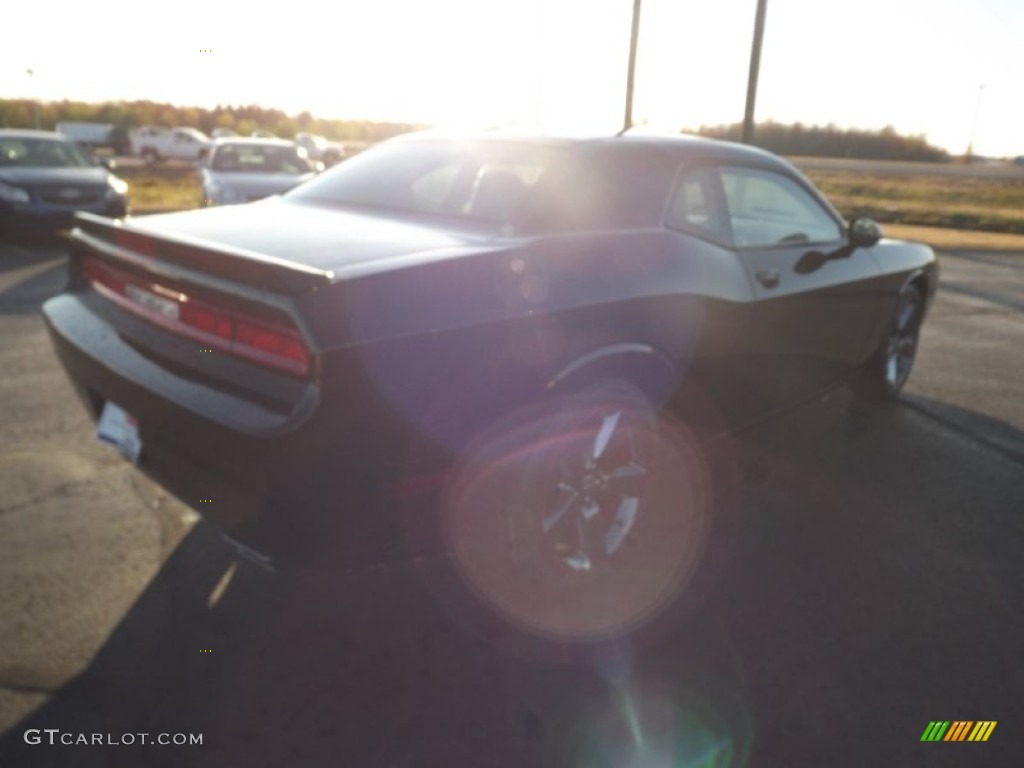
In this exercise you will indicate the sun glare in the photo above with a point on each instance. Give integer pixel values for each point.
(556, 64)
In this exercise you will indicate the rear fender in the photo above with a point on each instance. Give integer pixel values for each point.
(642, 365)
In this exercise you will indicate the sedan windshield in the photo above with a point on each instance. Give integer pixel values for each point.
(260, 158)
(518, 186)
(41, 153)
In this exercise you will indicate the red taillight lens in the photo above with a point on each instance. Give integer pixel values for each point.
(262, 341)
(206, 320)
(99, 275)
(133, 241)
(271, 344)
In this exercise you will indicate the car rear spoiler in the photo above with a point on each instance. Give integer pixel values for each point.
(119, 240)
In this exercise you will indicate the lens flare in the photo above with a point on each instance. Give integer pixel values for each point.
(647, 726)
(581, 521)
(454, 345)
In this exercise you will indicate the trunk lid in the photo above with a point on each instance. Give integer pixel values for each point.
(335, 242)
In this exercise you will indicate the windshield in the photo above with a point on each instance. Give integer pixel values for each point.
(520, 186)
(260, 158)
(41, 153)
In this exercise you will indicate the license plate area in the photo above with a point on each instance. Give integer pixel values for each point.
(120, 429)
(152, 302)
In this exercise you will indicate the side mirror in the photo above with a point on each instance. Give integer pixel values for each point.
(108, 163)
(864, 232)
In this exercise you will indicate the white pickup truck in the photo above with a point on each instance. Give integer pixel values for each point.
(153, 143)
(87, 134)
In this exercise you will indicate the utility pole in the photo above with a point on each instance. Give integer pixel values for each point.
(755, 65)
(627, 120)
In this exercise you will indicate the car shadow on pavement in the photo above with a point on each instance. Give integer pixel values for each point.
(867, 594)
(361, 667)
(999, 435)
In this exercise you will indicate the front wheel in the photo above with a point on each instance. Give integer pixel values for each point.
(581, 520)
(885, 374)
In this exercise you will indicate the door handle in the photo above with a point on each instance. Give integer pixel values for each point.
(769, 278)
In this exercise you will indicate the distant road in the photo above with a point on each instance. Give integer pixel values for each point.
(898, 168)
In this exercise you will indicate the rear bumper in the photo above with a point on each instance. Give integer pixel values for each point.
(256, 473)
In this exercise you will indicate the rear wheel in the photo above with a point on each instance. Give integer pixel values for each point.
(150, 155)
(889, 368)
(582, 520)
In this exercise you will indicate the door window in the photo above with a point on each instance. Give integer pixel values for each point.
(767, 208)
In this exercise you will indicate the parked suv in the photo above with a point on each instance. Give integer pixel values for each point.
(153, 143)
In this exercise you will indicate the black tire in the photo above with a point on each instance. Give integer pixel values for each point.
(885, 374)
(150, 155)
(581, 519)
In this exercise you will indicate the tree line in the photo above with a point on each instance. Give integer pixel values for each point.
(783, 139)
(831, 141)
(243, 119)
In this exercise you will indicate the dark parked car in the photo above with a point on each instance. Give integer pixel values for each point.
(45, 179)
(543, 333)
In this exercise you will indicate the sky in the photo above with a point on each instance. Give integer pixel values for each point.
(951, 70)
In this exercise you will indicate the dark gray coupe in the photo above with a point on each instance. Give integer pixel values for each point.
(542, 335)
(45, 179)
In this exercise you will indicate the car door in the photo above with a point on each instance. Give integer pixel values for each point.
(811, 317)
(184, 147)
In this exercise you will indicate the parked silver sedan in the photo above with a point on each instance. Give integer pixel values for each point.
(239, 170)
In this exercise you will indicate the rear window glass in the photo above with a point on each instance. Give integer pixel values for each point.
(523, 187)
(256, 158)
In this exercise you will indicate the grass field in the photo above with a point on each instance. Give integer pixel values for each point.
(959, 202)
(956, 239)
(990, 205)
(164, 188)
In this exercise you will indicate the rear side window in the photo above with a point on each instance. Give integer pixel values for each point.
(602, 187)
(697, 206)
(767, 208)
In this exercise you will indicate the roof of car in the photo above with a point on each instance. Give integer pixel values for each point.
(28, 133)
(697, 147)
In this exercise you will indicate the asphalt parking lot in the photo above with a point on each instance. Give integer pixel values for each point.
(871, 582)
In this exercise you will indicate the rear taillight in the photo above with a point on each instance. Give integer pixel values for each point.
(270, 343)
(133, 241)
